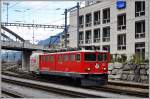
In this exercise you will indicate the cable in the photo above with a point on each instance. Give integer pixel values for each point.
(14, 4)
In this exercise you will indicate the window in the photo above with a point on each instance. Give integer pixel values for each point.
(106, 34)
(88, 20)
(81, 37)
(78, 57)
(81, 21)
(97, 35)
(72, 57)
(96, 17)
(43, 58)
(102, 57)
(140, 29)
(140, 49)
(121, 42)
(139, 8)
(106, 48)
(47, 58)
(51, 58)
(106, 15)
(88, 37)
(59, 58)
(66, 58)
(90, 57)
(121, 22)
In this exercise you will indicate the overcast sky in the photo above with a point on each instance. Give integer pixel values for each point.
(40, 12)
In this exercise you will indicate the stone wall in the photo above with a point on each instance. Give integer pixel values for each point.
(129, 72)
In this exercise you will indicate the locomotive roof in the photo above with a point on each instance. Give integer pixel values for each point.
(76, 51)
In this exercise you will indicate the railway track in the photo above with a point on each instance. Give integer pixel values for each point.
(115, 87)
(61, 89)
(12, 94)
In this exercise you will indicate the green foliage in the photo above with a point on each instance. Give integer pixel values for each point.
(137, 58)
(124, 58)
(111, 58)
(121, 59)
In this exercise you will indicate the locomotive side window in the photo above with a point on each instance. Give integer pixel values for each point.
(51, 58)
(46, 58)
(60, 58)
(78, 57)
(42, 58)
(65, 58)
(72, 57)
(90, 57)
(102, 57)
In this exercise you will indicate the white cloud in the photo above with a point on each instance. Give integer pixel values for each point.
(39, 33)
(34, 4)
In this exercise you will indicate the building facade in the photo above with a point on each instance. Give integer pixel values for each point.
(119, 26)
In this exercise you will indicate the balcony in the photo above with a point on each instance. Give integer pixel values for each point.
(81, 26)
(96, 40)
(106, 21)
(121, 27)
(81, 41)
(140, 35)
(97, 22)
(106, 39)
(88, 41)
(88, 24)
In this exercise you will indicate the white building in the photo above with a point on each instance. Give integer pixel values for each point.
(120, 26)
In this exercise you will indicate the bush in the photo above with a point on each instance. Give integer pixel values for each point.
(111, 58)
(138, 58)
(124, 58)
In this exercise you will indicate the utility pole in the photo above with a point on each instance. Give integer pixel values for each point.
(78, 25)
(66, 28)
(0, 48)
(33, 32)
(7, 4)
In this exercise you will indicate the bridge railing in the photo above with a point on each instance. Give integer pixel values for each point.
(12, 44)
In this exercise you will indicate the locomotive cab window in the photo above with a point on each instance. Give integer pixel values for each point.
(46, 58)
(42, 58)
(102, 57)
(90, 57)
(78, 57)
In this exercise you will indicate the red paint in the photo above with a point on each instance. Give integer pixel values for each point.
(81, 66)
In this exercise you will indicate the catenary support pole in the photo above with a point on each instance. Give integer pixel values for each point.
(65, 28)
(78, 25)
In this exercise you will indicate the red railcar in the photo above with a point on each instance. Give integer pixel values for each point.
(90, 67)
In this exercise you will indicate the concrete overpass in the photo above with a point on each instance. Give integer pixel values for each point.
(7, 43)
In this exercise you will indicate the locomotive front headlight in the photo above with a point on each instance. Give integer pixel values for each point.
(88, 69)
(104, 68)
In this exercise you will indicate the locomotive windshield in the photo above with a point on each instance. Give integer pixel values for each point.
(90, 57)
(102, 57)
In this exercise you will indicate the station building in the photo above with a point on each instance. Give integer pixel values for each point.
(119, 26)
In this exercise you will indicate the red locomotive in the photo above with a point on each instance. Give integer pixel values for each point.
(89, 67)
